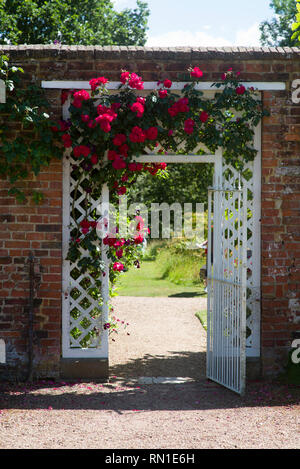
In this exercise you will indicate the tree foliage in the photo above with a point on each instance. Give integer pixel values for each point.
(87, 22)
(185, 183)
(277, 31)
(296, 25)
(34, 144)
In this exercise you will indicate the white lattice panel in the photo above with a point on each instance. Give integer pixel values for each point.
(232, 179)
(84, 312)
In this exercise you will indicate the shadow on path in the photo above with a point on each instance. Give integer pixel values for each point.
(190, 294)
(125, 394)
(184, 364)
(118, 396)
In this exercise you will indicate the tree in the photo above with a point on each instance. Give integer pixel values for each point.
(87, 22)
(186, 183)
(277, 31)
(296, 25)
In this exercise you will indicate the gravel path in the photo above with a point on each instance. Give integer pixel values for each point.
(165, 340)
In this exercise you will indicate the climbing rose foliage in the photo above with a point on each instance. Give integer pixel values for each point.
(107, 133)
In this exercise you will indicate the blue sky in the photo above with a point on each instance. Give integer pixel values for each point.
(203, 22)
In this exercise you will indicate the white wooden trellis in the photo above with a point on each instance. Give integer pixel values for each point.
(71, 348)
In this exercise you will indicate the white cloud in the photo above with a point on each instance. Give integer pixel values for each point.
(248, 37)
(243, 37)
(186, 38)
(121, 4)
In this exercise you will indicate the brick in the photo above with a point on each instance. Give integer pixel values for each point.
(48, 228)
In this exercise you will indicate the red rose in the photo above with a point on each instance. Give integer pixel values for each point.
(152, 133)
(119, 139)
(167, 83)
(77, 103)
(123, 149)
(119, 253)
(189, 126)
(64, 126)
(109, 240)
(137, 135)
(180, 106)
(105, 119)
(136, 82)
(81, 95)
(119, 163)
(85, 226)
(122, 190)
(132, 167)
(163, 93)
(240, 90)
(85, 117)
(112, 155)
(138, 108)
(119, 243)
(138, 239)
(124, 77)
(196, 72)
(95, 82)
(94, 159)
(118, 267)
(81, 150)
(67, 141)
(204, 116)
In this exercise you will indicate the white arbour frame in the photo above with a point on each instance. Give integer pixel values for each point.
(253, 348)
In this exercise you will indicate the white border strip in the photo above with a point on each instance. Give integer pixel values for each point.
(151, 85)
(156, 158)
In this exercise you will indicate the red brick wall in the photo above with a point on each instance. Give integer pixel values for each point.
(27, 228)
(280, 226)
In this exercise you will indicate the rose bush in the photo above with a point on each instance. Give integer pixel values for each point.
(107, 131)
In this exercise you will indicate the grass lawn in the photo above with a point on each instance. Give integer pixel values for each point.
(148, 281)
(202, 316)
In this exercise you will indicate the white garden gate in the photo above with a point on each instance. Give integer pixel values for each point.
(234, 275)
(227, 270)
